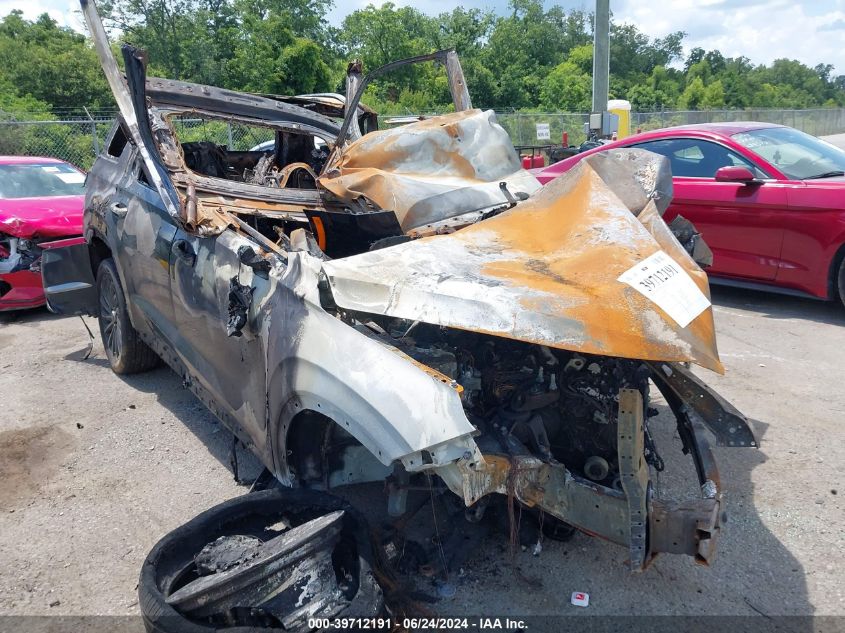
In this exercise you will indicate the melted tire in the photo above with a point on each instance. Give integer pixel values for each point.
(166, 563)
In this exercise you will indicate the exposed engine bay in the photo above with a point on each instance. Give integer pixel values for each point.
(561, 405)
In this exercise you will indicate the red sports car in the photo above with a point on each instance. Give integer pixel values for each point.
(768, 200)
(41, 200)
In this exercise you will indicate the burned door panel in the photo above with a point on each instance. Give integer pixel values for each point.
(230, 368)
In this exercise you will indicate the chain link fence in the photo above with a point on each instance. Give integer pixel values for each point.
(78, 139)
(818, 122)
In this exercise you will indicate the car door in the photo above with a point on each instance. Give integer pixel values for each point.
(143, 233)
(741, 222)
(228, 363)
(127, 213)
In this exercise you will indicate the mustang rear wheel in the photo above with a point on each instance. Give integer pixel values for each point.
(126, 352)
(840, 281)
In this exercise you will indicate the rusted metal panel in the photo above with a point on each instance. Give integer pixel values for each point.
(590, 507)
(636, 176)
(688, 527)
(546, 272)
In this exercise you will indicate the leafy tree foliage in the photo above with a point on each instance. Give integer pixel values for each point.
(49, 64)
(529, 58)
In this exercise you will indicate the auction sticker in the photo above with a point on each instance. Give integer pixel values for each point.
(662, 280)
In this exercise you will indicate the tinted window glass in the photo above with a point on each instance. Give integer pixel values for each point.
(40, 180)
(796, 154)
(696, 158)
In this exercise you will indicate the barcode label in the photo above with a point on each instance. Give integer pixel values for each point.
(662, 280)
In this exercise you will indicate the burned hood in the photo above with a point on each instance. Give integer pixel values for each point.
(636, 176)
(431, 170)
(30, 218)
(572, 268)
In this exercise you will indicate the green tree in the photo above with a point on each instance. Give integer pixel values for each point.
(714, 96)
(381, 35)
(693, 95)
(270, 58)
(49, 63)
(528, 57)
(644, 98)
(566, 89)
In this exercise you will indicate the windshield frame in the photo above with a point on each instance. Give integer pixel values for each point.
(761, 141)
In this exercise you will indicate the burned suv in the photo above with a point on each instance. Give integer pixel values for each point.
(357, 304)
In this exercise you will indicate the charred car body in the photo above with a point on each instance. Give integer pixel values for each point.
(355, 306)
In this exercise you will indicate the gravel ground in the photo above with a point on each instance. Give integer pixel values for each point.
(96, 468)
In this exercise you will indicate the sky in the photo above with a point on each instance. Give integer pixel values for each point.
(811, 31)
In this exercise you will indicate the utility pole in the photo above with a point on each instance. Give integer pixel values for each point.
(601, 56)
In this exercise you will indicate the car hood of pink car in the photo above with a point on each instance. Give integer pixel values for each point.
(30, 218)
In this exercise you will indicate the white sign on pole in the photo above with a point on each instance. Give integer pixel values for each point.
(543, 132)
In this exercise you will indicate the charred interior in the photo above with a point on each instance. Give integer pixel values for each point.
(254, 154)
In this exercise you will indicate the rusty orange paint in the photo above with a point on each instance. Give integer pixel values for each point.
(564, 241)
(321, 232)
(553, 264)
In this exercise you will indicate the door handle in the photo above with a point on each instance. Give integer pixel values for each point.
(118, 208)
(185, 252)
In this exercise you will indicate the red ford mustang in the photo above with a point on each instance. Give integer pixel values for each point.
(768, 200)
(41, 199)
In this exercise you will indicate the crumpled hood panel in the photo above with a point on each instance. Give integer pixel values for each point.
(545, 272)
(29, 218)
(431, 170)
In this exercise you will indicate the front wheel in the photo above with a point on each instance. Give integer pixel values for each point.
(126, 352)
(840, 281)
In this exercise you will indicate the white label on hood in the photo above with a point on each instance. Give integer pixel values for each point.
(662, 280)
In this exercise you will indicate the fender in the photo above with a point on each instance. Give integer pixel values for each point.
(347, 374)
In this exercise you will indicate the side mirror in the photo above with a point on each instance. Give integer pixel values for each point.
(735, 173)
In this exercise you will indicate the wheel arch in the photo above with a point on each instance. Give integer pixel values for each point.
(323, 454)
(98, 250)
(396, 411)
(323, 405)
(832, 277)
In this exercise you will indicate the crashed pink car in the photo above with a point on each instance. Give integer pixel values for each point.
(41, 199)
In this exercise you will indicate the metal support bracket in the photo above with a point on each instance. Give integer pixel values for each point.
(633, 471)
